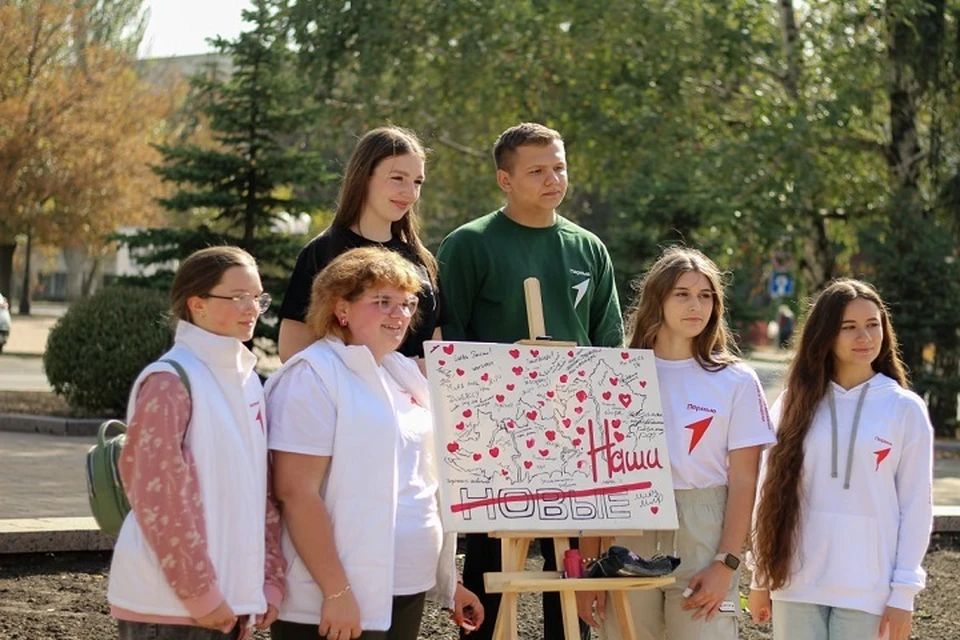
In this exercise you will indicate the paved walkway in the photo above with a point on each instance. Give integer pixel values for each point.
(42, 476)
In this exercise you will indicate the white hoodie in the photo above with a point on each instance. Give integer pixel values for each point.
(862, 547)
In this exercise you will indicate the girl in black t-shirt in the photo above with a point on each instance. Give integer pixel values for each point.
(376, 207)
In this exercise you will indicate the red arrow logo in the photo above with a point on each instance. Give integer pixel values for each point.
(881, 456)
(698, 428)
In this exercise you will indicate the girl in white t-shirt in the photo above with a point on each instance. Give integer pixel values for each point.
(845, 512)
(716, 422)
(353, 465)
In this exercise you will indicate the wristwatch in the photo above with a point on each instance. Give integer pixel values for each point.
(728, 559)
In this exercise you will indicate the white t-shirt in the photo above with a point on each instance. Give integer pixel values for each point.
(708, 414)
(419, 534)
(309, 428)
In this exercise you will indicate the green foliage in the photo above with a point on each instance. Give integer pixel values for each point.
(96, 350)
(234, 193)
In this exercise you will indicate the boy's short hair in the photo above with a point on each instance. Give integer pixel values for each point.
(525, 133)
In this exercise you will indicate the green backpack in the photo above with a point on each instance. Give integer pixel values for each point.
(108, 501)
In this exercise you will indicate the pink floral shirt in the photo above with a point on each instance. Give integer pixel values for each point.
(160, 479)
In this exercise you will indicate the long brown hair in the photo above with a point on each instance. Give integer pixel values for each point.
(373, 148)
(779, 510)
(347, 277)
(713, 347)
(201, 272)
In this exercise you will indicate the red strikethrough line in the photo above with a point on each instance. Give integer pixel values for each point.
(552, 495)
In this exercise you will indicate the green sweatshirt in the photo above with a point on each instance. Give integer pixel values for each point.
(482, 268)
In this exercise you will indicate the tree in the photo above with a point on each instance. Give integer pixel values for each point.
(235, 190)
(75, 126)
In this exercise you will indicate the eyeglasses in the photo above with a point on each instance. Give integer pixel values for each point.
(243, 300)
(387, 305)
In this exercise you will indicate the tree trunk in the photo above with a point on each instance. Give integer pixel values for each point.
(6, 267)
(817, 259)
(94, 277)
(25, 290)
(76, 260)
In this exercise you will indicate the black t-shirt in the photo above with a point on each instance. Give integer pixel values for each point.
(333, 241)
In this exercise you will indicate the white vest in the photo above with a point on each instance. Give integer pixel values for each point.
(226, 437)
(361, 486)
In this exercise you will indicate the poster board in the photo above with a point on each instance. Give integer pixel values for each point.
(544, 438)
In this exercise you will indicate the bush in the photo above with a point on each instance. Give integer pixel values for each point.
(96, 350)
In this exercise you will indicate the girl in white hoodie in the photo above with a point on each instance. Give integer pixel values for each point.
(845, 509)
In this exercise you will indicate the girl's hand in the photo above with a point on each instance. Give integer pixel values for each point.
(264, 620)
(897, 621)
(586, 600)
(222, 618)
(340, 619)
(467, 609)
(761, 609)
(709, 587)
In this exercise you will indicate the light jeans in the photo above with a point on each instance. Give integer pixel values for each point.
(804, 621)
(658, 613)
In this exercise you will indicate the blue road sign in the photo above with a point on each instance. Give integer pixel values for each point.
(781, 284)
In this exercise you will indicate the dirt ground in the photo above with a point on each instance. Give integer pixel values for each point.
(62, 597)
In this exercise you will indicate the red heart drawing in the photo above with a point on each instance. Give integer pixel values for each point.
(550, 394)
(619, 436)
(533, 375)
(578, 410)
(517, 370)
(452, 447)
(505, 472)
(570, 353)
(494, 452)
(531, 415)
(441, 362)
(500, 397)
(624, 355)
(614, 381)
(607, 395)
(485, 377)
(527, 464)
(581, 395)
(511, 424)
(460, 426)
(582, 373)
(510, 387)
(579, 464)
(534, 352)
(581, 430)
(566, 422)
(448, 349)
(540, 403)
(564, 378)
(460, 372)
(551, 435)
(544, 452)
(476, 457)
(615, 423)
(576, 442)
(530, 443)
(654, 510)
(467, 413)
(515, 353)
(625, 399)
(643, 384)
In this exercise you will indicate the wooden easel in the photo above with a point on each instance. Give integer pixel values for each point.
(512, 579)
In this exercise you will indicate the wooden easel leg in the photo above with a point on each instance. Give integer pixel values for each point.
(571, 621)
(621, 608)
(568, 599)
(513, 558)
